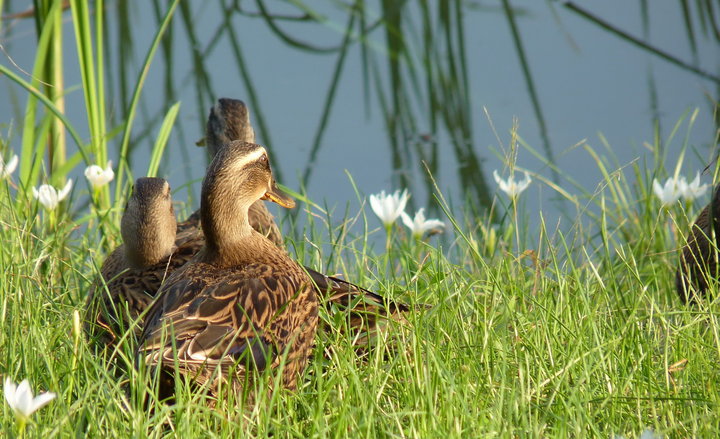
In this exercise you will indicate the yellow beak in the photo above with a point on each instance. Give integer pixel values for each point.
(277, 196)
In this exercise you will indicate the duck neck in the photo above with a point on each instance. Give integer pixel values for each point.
(150, 242)
(146, 255)
(225, 225)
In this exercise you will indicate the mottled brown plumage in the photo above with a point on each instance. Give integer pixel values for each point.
(241, 303)
(364, 310)
(133, 272)
(698, 258)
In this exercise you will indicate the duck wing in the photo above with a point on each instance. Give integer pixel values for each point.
(199, 321)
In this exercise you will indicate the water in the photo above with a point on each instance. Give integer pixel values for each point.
(588, 82)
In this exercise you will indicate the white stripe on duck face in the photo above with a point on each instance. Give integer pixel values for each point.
(249, 158)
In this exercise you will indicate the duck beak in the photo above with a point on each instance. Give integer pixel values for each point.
(200, 142)
(277, 196)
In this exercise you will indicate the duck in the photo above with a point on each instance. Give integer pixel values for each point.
(698, 258)
(134, 271)
(364, 311)
(241, 305)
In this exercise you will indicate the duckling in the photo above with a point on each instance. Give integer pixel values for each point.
(241, 304)
(365, 310)
(698, 259)
(133, 272)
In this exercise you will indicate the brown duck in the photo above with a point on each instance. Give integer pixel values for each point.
(241, 304)
(698, 259)
(133, 272)
(364, 310)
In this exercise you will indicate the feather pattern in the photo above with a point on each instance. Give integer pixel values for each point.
(208, 317)
(116, 303)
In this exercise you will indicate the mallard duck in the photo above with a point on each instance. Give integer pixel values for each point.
(133, 272)
(698, 258)
(229, 120)
(241, 304)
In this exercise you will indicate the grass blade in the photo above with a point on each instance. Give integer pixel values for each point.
(162, 139)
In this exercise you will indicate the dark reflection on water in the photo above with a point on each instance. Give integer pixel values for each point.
(376, 89)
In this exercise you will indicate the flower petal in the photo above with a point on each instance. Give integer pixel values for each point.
(404, 197)
(9, 389)
(497, 178)
(377, 207)
(12, 164)
(92, 171)
(23, 398)
(696, 181)
(42, 400)
(47, 196)
(434, 224)
(409, 223)
(8, 168)
(65, 190)
(389, 207)
(525, 183)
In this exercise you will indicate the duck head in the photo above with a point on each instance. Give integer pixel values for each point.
(239, 175)
(229, 120)
(148, 224)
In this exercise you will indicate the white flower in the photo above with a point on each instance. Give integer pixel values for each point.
(389, 207)
(510, 186)
(8, 168)
(649, 434)
(694, 189)
(98, 176)
(671, 191)
(49, 197)
(20, 398)
(646, 434)
(419, 225)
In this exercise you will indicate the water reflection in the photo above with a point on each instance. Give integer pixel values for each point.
(390, 90)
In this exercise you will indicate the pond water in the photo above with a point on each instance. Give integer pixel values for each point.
(588, 81)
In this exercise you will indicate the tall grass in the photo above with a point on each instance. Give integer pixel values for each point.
(556, 333)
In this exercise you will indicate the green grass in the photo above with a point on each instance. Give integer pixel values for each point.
(574, 333)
